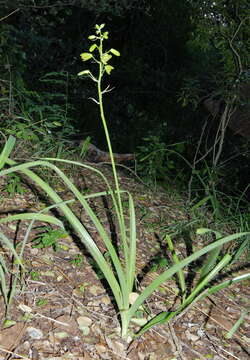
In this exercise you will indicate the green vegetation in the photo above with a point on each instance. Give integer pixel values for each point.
(14, 185)
(8, 280)
(119, 267)
(77, 260)
(48, 237)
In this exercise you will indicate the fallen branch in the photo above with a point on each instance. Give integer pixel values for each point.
(94, 154)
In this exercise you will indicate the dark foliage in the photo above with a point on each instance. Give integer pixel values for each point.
(174, 54)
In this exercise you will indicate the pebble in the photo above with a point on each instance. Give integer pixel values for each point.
(84, 321)
(191, 336)
(34, 333)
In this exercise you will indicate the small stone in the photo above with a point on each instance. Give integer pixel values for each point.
(105, 300)
(25, 308)
(12, 226)
(190, 336)
(34, 333)
(117, 347)
(95, 290)
(84, 321)
(53, 339)
(34, 251)
(61, 335)
(48, 273)
(132, 297)
(100, 348)
(45, 346)
(77, 292)
(85, 330)
(25, 346)
(95, 304)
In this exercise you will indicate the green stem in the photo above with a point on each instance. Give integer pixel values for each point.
(180, 273)
(127, 289)
(101, 70)
(124, 323)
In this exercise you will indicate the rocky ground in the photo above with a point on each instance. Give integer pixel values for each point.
(62, 308)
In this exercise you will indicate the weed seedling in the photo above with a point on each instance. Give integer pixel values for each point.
(14, 185)
(49, 237)
(77, 260)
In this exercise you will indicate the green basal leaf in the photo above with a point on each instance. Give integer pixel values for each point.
(157, 320)
(200, 203)
(235, 327)
(202, 231)
(84, 146)
(92, 47)
(7, 150)
(227, 283)
(115, 52)
(86, 56)
(108, 69)
(29, 216)
(92, 37)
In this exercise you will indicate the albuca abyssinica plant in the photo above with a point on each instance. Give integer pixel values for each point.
(120, 269)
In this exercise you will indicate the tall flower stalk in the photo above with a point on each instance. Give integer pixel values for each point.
(101, 58)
